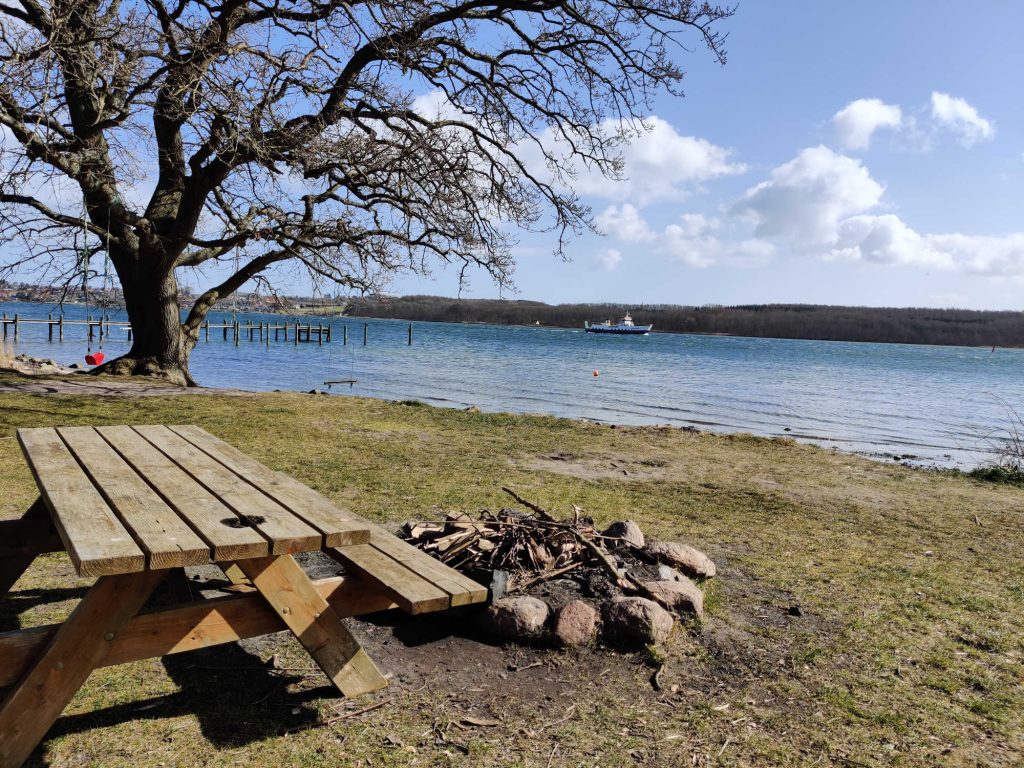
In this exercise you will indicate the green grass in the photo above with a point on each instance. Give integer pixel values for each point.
(908, 651)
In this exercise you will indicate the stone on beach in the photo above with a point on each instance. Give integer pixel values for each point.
(512, 618)
(628, 531)
(680, 596)
(633, 622)
(575, 625)
(691, 561)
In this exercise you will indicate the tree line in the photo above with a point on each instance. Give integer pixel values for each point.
(902, 325)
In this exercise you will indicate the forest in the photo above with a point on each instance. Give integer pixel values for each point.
(903, 325)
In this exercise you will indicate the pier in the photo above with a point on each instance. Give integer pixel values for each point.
(97, 328)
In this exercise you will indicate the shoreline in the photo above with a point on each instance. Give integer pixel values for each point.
(310, 312)
(83, 384)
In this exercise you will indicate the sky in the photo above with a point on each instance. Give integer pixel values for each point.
(864, 153)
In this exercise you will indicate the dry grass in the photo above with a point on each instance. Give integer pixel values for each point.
(908, 651)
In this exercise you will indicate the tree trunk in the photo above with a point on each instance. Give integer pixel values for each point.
(160, 348)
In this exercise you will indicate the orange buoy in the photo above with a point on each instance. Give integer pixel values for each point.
(596, 373)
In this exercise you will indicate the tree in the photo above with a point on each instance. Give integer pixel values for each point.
(185, 134)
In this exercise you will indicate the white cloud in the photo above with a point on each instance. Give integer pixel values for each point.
(624, 222)
(857, 121)
(887, 239)
(609, 258)
(955, 114)
(805, 200)
(659, 164)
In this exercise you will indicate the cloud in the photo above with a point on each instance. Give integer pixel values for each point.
(624, 223)
(804, 200)
(609, 258)
(887, 239)
(694, 239)
(857, 122)
(659, 164)
(955, 114)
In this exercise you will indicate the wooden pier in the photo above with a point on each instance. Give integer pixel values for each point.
(97, 328)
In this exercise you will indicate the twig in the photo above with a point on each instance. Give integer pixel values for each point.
(545, 515)
(572, 711)
(338, 718)
(543, 577)
(656, 677)
(551, 757)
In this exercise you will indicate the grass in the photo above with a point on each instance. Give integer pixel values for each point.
(908, 650)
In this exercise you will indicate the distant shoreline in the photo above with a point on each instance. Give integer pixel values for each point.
(977, 329)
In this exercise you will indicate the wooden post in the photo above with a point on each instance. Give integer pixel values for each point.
(330, 329)
(129, 333)
(49, 326)
(60, 327)
(268, 334)
(207, 329)
(15, 326)
(237, 331)
(344, 335)
(366, 327)
(261, 330)
(320, 334)
(250, 329)
(296, 339)
(5, 326)
(410, 334)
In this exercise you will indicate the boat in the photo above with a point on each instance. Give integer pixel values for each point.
(625, 326)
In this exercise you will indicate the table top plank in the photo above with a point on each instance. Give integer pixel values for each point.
(165, 538)
(286, 532)
(97, 542)
(339, 526)
(207, 516)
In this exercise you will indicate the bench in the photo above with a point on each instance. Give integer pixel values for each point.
(136, 505)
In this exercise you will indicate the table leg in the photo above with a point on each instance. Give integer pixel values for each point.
(21, 541)
(307, 614)
(79, 646)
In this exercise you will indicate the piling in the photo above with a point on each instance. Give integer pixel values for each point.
(49, 326)
(60, 328)
(5, 326)
(344, 335)
(207, 330)
(237, 331)
(296, 332)
(410, 334)
(15, 326)
(366, 327)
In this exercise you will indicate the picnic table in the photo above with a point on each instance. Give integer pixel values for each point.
(135, 505)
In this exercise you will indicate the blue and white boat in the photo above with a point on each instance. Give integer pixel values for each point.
(624, 326)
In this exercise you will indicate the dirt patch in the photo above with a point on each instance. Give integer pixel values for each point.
(602, 467)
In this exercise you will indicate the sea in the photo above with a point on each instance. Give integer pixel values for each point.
(926, 405)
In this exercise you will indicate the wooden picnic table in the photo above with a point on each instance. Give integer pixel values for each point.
(134, 505)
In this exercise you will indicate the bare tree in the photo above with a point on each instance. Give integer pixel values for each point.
(180, 134)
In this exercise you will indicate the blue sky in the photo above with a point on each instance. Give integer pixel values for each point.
(853, 153)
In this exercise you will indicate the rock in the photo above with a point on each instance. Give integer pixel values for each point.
(679, 596)
(74, 366)
(668, 573)
(628, 531)
(472, 409)
(575, 624)
(691, 561)
(515, 618)
(633, 622)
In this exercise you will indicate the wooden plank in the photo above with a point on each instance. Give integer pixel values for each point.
(165, 538)
(208, 517)
(412, 592)
(338, 526)
(287, 534)
(464, 591)
(21, 541)
(96, 540)
(189, 627)
(291, 594)
(78, 647)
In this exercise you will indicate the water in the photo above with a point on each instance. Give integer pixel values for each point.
(935, 404)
